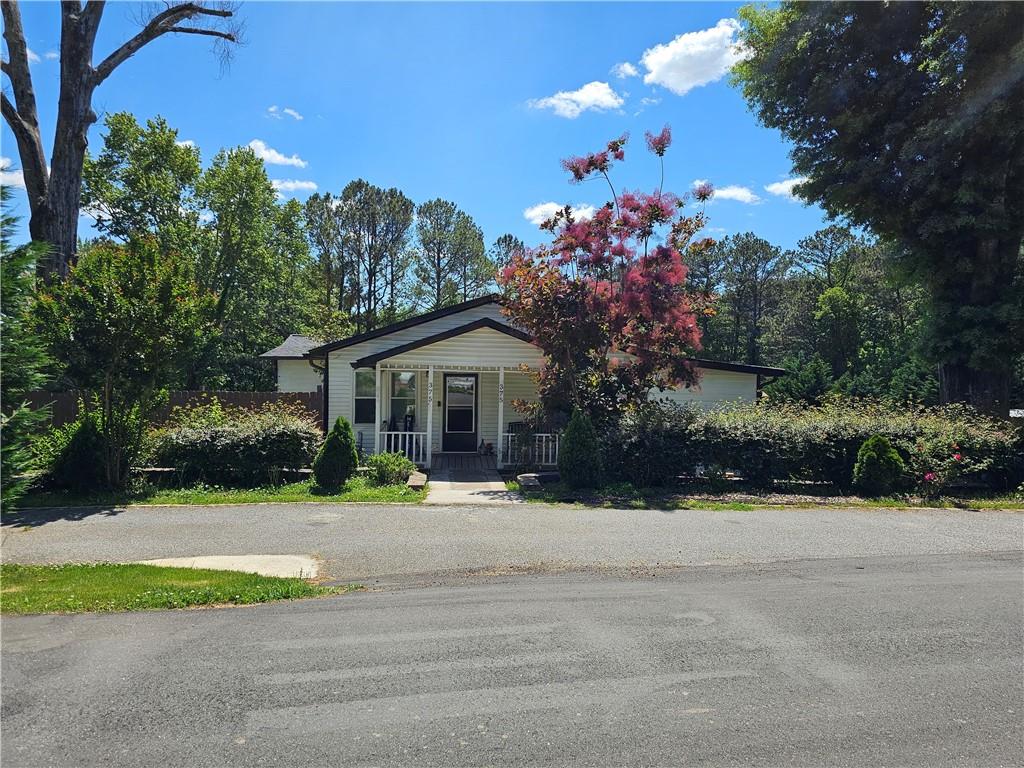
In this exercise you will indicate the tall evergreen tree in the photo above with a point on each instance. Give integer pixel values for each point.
(23, 358)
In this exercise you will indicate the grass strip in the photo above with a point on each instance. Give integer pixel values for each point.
(80, 587)
(357, 489)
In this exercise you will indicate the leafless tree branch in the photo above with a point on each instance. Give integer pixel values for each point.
(200, 31)
(162, 23)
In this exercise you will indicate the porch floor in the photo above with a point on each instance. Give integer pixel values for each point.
(462, 461)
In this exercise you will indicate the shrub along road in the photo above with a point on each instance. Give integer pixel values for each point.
(872, 661)
(382, 543)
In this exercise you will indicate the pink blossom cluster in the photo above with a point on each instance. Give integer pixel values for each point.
(659, 144)
(582, 166)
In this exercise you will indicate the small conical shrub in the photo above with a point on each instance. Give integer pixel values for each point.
(579, 454)
(879, 468)
(337, 459)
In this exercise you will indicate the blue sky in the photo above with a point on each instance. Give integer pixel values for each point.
(476, 103)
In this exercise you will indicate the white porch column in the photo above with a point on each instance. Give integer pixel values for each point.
(376, 412)
(430, 414)
(501, 414)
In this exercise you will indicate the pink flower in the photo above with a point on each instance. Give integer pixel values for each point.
(956, 457)
(929, 477)
(703, 192)
(658, 144)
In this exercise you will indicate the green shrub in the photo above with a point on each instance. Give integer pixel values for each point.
(389, 468)
(245, 448)
(879, 468)
(649, 446)
(766, 442)
(336, 461)
(579, 453)
(72, 456)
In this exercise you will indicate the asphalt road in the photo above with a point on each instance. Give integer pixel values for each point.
(397, 544)
(870, 661)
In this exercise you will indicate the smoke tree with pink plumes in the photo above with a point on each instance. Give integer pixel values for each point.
(606, 299)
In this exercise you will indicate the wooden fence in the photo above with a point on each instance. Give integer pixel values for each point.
(64, 405)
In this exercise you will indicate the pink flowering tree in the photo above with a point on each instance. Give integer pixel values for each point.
(606, 300)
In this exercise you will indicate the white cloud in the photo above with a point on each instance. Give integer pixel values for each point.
(271, 156)
(276, 112)
(785, 188)
(293, 185)
(624, 70)
(732, 192)
(32, 55)
(597, 96)
(538, 214)
(694, 58)
(185, 143)
(51, 55)
(8, 177)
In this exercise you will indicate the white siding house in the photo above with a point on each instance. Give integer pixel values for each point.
(443, 382)
(296, 371)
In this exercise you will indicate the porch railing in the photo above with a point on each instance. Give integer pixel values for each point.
(412, 444)
(543, 452)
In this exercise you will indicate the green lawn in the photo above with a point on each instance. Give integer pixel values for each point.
(116, 587)
(357, 489)
(624, 496)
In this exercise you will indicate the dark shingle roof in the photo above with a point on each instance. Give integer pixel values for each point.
(294, 347)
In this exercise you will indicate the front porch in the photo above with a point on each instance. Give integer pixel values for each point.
(451, 416)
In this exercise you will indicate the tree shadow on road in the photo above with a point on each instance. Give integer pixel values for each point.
(33, 517)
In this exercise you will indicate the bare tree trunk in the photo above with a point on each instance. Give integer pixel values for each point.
(54, 195)
(986, 285)
(986, 391)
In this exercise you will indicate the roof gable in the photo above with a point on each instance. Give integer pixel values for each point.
(295, 347)
(323, 349)
(370, 361)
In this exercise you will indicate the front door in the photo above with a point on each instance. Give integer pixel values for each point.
(460, 416)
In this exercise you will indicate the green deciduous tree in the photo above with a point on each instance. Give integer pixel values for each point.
(143, 181)
(127, 321)
(905, 118)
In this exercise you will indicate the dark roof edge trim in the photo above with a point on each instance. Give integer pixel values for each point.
(762, 370)
(403, 324)
(370, 361)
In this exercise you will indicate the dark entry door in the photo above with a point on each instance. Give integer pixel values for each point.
(460, 412)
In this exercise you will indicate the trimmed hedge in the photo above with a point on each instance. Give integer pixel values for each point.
(237, 447)
(941, 446)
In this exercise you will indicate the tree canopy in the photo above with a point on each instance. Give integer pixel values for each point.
(905, 119)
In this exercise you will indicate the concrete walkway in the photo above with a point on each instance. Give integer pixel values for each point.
(287, 566)
(469, 486)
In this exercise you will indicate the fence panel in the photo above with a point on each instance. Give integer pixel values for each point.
(64, 405)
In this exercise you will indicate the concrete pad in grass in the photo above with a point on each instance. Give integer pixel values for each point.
(287, 566)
